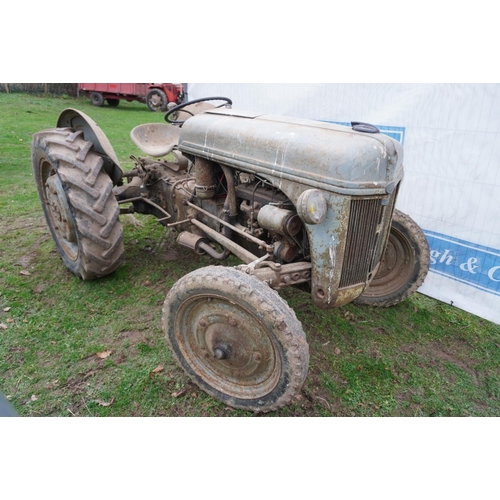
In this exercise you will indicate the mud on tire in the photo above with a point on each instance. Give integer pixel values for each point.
(236, 338)
(78, 203)
(404, 265)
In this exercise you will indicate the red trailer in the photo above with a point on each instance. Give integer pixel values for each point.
(157, 96)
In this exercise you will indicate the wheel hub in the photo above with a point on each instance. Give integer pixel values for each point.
(229, 348)
(63, 222)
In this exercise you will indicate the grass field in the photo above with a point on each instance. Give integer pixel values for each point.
(95, 348)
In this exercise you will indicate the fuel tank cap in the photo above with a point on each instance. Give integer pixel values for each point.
(367, 128)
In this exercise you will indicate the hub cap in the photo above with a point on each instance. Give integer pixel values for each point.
(228, 346)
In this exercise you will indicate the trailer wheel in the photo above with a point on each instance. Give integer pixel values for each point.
(113, 102)
(96, 99)
(236, 338)
(78, 202)
(156, 100)
(404, 265)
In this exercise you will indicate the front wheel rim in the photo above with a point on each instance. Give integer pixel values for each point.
(228, 347)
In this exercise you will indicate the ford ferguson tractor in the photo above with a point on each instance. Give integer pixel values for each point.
(299, 202)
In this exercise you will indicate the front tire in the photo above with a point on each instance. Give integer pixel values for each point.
(404, 265)
(156, 100)
(236, 338)
(78, 203)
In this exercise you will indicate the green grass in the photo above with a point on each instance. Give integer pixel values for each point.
(420, 358)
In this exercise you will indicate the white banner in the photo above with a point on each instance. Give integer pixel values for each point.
(451, 138)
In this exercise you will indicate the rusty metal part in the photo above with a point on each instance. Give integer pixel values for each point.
(253, 239)
(285, 251)
(179, 223)
(60, 214)
(149, 202)
(280, 275)
(231, 191)
(278, 220)
(191, 241)
(230, 245)
(205, 178)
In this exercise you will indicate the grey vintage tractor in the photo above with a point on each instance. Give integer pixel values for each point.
(299, 202)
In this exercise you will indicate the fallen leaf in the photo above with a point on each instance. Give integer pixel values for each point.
(100, 402)
(10, 320)
(34, 398)
(337, 351)
(498, 345)
(3, 326)
(25, 273)
(158, 369)
(6, 309)
(103, 354)
(179, 393)
(193, 395)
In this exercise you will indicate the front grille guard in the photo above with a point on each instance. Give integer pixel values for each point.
(368, 229)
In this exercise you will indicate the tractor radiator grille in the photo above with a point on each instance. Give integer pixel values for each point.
(361, 245)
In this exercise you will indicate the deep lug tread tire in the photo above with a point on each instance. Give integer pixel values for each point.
(95, 244)
(156, 100)
(269, 313)
(408, 252)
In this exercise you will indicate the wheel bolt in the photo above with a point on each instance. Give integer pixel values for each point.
(219, 353)
(202, 323)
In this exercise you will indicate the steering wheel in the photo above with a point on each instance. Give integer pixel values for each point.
(181, 106)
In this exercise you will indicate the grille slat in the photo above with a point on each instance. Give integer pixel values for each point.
(362, 234)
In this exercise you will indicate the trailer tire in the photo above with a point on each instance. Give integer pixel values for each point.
(78, 202)
(156, 100)
(96, 99)
(404, 266)
(236, 338)
(113, 102)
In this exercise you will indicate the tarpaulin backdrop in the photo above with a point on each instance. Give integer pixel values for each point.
(451, 138)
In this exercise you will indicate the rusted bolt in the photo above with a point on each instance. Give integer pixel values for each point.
(202, 323)
(257, 356)
(233, 322)
(219, 353)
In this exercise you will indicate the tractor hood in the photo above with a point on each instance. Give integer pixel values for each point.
(322, 155)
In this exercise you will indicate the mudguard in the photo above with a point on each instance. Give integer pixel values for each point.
(92, 132)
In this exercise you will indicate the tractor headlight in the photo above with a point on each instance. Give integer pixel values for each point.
(312, 206)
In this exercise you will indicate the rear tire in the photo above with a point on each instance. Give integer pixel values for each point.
(404, 265)
(96, 99)
(78, 202)
(113, 102)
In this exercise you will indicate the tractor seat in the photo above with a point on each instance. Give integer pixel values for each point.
(155, 139)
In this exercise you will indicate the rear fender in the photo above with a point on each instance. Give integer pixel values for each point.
(92, 132)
